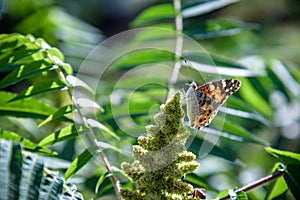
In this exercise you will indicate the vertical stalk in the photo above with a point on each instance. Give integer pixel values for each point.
(91, 134)
(179, 42)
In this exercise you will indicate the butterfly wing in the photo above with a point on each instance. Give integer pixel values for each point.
(210, 96)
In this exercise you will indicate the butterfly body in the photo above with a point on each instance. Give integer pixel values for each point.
(204, 101)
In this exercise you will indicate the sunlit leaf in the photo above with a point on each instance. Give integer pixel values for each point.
(285, 156)
(79, 162)
(27, 144)
(58, 115)
(221, 70)
(100, 180)
(16, 50)
(222, 194)
(105, 130)
(246, 115)
(24, 72)
(41, 87)
(28, 107)
(202, 7)
(67, 68)
(88, 105)
(153, 14)
(278, 188)
(104, 145)
(61, 135)
(256, 100)
(76, 82)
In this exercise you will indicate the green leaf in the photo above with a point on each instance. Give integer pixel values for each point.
(14, 53)
(153, 14)
(53, 53)
(17, 50)
(292, 172)
(288, 158)
(141, 57)
(292, 179)
(85, 103)
(203, 7)
(67, 68)
(58, 115)
(216, 150)
(41, 87)
(61, 135)
(26, 71)
(233, 131)
(79, 162)
(198, 181)
(28, 107)
(282, 73)
(27, 144)
(214, 28)
(221, 60)
(278, 188)
(211, 68)
(105, 145)
(101, 179)
(242, 196)
(254, 99)
(222, 194)
(106, 131)
(238, 196)
(76, 83)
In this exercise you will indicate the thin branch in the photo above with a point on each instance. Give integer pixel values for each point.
(91, 134)
(179, 42)
(257, 183)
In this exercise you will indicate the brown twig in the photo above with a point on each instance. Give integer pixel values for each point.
(91, 134)
(257, 183)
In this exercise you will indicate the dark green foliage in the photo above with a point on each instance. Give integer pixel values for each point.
(292, 179)
(32, 172)
(15, 172)
(23, 176)
(291, 168)
(34, 88)
(51, 185)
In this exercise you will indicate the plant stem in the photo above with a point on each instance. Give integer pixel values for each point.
(91, 134)
(179, 42)
(257, 183)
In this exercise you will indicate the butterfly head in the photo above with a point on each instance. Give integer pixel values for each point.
(191, 89)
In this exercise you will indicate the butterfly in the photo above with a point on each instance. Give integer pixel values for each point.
(204, 101)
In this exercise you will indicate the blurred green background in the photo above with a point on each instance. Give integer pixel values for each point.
(276, 34)
(76, 27)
